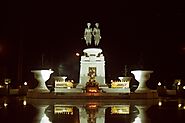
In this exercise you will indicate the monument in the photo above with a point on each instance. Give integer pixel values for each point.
(92, 74)
(92, 59)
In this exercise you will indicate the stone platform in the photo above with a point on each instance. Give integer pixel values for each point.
(52, 95)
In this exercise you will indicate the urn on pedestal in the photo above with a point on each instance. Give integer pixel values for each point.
(142, 76)
(42, 76)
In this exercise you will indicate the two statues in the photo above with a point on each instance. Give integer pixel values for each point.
(89, 32)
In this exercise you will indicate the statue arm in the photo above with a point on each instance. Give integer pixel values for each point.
(94, 32)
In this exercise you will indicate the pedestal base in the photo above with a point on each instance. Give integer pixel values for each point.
(142, 90)
(41, 90)
(150, 94)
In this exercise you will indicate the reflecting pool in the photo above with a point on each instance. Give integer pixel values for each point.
(23, 110)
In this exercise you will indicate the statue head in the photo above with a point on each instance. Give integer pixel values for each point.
(97, 25)
(88, 24)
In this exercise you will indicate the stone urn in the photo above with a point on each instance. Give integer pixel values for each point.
(60, 78)
(142, 76)
(124, 79)
(42, 76)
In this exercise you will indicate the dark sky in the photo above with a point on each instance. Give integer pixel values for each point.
(133, 33)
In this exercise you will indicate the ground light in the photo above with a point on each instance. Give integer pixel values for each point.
(25, 83)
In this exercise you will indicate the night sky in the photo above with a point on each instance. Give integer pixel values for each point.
(139, 34)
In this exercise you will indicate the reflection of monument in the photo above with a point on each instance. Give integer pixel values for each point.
(92, 114)
(100, 111)
(41, 117)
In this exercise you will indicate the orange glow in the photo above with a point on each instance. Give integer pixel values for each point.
(92, 90)
(92, 106)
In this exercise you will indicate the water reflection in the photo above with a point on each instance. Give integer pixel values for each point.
(71, 111)
(91, 113)
(167, 111)
(13, 110)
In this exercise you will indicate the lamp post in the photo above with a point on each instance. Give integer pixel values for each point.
(161, 90)
(7, 81)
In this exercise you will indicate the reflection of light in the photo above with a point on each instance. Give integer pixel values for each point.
(6, 83)
(159, 84)
(179, 105)
(160, 103)
(137, 120)
(183, 87)
(5, 104)
(125, 109)
(45, 119)
(179, 83)
(24, 102)
(59, 109)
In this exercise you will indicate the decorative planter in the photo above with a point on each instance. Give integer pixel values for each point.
(142, 76)
(124, 79)
(42, 76)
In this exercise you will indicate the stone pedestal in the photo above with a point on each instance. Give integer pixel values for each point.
(59, 80)
(124, 79)
(142, 76)
(92, 59)
(42, 76)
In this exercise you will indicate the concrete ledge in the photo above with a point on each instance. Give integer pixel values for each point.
(65, 90)
(76, 96)
(146, 95)
(36, 95)
(116, 90)
(171, 92)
